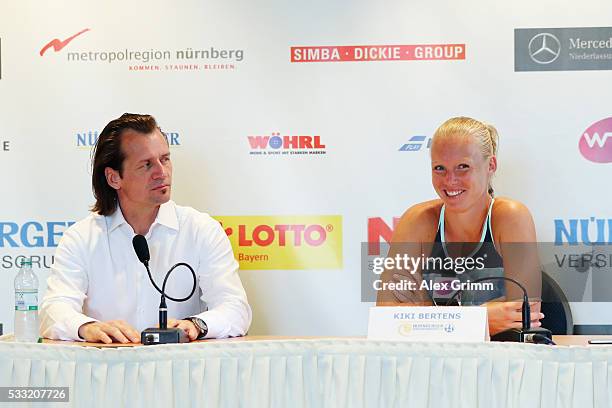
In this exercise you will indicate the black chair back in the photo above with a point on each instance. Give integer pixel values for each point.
(557, 313)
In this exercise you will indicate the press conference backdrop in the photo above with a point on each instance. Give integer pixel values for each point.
(304, 127)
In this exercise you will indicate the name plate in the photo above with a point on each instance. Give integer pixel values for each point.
(429, 323)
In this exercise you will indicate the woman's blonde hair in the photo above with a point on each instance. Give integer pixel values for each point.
(486, 135)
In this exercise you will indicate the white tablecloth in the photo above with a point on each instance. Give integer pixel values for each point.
(316, 373)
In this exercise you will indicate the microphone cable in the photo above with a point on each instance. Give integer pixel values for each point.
(142, 251)
(525, 309)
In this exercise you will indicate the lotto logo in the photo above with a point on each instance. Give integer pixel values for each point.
(285, 241)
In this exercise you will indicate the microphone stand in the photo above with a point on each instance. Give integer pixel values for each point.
(526, 334)
(163, 334)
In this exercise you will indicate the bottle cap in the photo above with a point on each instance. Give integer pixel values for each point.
(25, 262)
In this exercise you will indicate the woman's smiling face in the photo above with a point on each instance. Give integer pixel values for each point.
(459, 172)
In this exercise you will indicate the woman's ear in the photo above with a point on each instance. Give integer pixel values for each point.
(492, 164)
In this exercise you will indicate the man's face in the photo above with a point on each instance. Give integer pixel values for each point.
(146, 176)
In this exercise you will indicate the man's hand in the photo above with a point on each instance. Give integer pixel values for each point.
(508, 315)
(107, 332)
(187, 326)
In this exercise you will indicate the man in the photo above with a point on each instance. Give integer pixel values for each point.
(98, 290)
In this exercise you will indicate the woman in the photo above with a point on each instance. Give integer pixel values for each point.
(501, 230)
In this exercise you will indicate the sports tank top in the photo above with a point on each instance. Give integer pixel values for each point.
(448, 274)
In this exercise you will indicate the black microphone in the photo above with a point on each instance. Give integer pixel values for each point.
(526, 334)
(163, 334)
(142, 249)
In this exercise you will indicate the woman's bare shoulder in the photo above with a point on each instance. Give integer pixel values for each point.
(418, 222)
(509, 208)
(512, 221)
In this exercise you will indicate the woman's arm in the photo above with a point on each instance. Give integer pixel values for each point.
(514, 234)
(411, 239)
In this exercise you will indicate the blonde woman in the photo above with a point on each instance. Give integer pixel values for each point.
(467, 221)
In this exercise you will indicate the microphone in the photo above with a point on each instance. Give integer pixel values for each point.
(142, 249)
(525, 334)
(163, 334)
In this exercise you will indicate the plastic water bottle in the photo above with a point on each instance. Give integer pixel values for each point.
(26, 304)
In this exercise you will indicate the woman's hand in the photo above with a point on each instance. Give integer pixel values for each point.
(508, 315)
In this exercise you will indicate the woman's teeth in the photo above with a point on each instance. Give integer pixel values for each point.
(453, 193)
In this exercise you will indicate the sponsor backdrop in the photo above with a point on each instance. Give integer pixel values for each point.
(304, 127)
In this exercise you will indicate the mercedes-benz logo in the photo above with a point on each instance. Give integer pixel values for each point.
(544, 48)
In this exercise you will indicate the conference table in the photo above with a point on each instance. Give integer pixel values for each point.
(270, 371)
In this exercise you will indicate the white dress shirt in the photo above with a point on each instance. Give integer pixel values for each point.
(96, 275)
